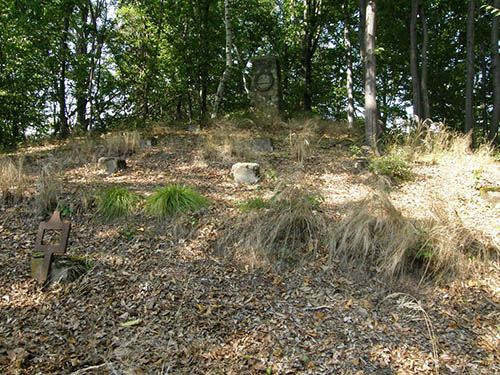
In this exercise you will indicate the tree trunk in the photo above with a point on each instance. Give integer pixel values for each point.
(415, 76)
(469, 87)
(81, 83)
(484, 88)
(350, 96)
(426, 111)
(348, 48)
(495, 59)
(307, 78)
(229, 58)
(64, 128)
(370, 87)
(362, 22)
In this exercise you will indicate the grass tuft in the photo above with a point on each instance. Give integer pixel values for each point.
(291, 231)
(376, 234)
(122, 144)
(117, 201)
(12, 181)
(392, 165)
(173, 200)
(254, 204)
(48, 191)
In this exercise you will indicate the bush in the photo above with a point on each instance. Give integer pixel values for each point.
(392, 165)
(173, 200)
(117, 201)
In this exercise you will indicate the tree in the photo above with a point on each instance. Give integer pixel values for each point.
(495, 59)
(348, 47)
(370, 79)
(229, 58)
(469, 90)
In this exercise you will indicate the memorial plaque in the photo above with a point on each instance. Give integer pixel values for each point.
(266, 84)
(57, 245)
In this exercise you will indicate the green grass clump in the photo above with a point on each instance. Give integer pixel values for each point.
(173, 200)
(254, 204)
(392, 165)
(117, 201)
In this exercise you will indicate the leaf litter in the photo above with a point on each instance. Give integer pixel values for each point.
(162, 304)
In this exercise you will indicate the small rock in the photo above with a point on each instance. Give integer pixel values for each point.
(246, 173)
(194, 128)
(110, 165)
(262, 144)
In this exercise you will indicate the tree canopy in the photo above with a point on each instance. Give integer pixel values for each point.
(79, 65)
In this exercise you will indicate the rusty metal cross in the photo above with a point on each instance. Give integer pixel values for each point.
(54, 223)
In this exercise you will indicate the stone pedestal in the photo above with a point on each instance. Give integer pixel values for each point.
(265, 90)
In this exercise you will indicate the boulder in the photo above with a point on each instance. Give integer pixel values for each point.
(246, 173)
(110, 165)
(262, 145)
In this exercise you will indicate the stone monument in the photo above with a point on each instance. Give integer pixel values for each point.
(266, 84)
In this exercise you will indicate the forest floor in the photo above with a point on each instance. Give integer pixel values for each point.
(159, 301)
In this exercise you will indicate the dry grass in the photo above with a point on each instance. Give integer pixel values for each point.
(227, 144)
(48, 191)
(290, 231)
(432, 142)
(122, 144)
(376, 235)
(12, 180)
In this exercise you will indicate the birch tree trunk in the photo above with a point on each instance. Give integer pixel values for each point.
(415, 76)
(495, 58)
(370, 87)
(229, 58)
(469, 87)
(350, 97)
(426, 109)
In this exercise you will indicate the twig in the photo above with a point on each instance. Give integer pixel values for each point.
(81, 371)
(317, 308)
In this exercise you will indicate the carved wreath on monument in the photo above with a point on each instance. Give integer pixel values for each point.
(264, 81)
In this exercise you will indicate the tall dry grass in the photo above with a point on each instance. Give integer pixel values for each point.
(12, 180)
(290, 231)
(375, 234)
(122, 144)
(432, 142)
(49, 189)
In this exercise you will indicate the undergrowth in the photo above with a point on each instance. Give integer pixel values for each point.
(376, 234)
(173, 200)
(291, 231)
(392, 165)
(117, 201)
(48, 191)
(12, 181)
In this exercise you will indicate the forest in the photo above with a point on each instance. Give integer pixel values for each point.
(71, 66)
(249, 187)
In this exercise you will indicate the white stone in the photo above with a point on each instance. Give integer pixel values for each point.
(110, 165)
(246, 173)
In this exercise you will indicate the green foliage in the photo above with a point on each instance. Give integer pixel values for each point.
(173, 200)
(128, 231)
(392, 165)
(117, 201)
(254, 204)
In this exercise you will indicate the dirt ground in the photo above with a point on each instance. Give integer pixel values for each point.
(164, 302)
